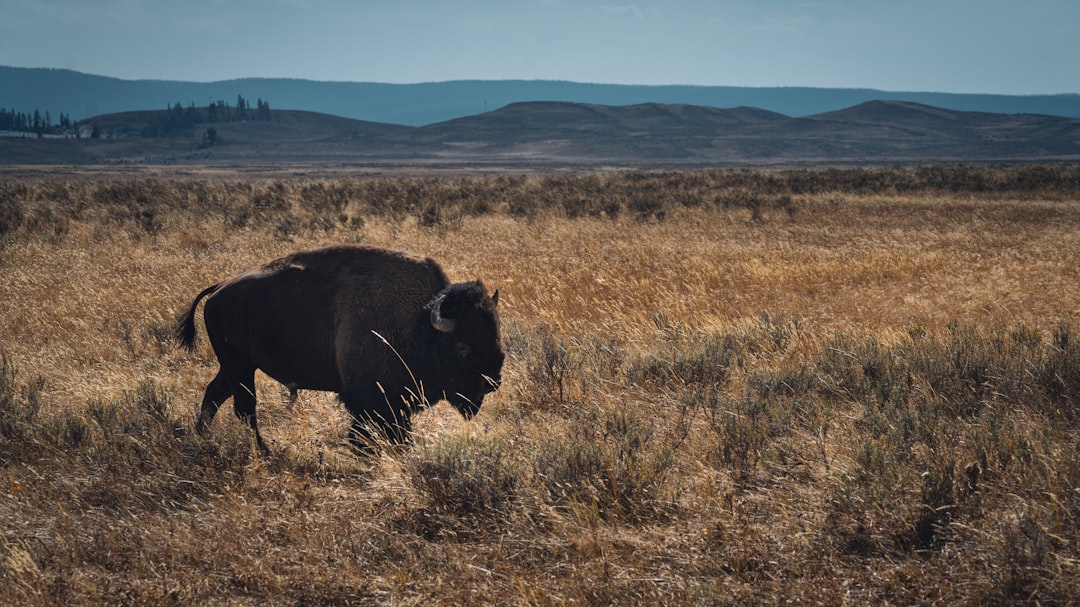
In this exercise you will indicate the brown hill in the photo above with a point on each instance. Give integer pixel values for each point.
(282, 127)
(535, 121)
(559, 133)
(911, 131)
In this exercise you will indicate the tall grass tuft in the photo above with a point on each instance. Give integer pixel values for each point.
(19, 403)
(1058, 374)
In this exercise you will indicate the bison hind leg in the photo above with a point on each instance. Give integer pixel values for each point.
(243, 394)
(244, 407)
(217, 392)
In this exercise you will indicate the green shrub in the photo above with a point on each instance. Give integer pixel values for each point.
(466, 477)
(612, 464)
(966, 370)
(708, 361)
(551, 366)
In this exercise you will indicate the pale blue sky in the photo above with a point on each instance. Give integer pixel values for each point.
(964, 46)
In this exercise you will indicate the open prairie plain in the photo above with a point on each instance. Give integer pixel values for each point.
(820, 386)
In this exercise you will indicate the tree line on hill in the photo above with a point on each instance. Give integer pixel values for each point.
(177, 120)
(173, 121)
(35, 122)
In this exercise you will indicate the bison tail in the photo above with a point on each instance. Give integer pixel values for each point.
(185, 326)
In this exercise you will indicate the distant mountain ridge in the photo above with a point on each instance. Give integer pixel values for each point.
(82, 96)
(553, 133)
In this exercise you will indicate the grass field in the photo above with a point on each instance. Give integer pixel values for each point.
(834, 386)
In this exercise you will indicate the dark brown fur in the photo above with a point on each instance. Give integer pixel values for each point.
(353, 320)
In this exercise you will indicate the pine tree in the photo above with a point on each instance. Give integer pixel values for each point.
(263, 110)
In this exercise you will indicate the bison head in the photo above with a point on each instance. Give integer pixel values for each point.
(470, 355)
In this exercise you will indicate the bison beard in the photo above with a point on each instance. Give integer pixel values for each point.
(386, 331)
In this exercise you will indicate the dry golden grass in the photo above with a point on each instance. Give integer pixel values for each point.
(720, 388)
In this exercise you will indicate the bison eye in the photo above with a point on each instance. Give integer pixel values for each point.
(463, 350)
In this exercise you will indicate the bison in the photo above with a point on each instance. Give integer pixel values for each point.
(386, 331)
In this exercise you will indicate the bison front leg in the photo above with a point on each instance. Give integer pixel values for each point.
(378, 425)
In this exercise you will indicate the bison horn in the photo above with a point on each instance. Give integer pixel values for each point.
(495, 297)
(444, 325)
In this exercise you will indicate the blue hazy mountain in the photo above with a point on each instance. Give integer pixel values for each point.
(83, 96)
